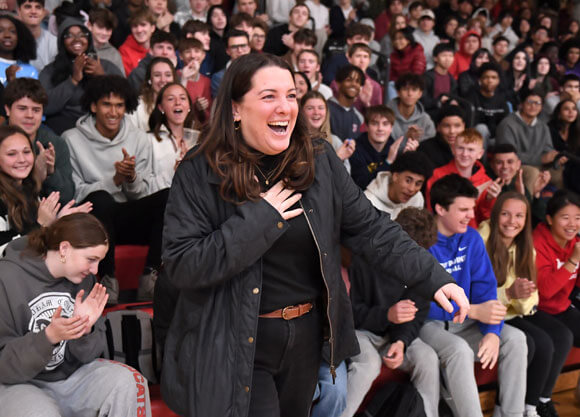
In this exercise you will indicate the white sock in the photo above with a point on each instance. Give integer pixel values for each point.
(530, 407)
(545, 400)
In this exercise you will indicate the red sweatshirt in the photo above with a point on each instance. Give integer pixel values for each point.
(555, 282)
(461, 59)
(131, 53)
(200, 88)
(480, 180)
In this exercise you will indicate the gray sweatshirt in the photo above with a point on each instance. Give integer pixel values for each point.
(93, 158)
(29, 296)
(419, 118)
(530, 141)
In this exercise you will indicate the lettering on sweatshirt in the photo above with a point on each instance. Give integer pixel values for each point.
(42, 309)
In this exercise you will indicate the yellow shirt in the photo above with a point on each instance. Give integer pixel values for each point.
(516, 307)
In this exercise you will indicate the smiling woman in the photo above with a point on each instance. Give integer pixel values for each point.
(17, 49)
(20, 209)
(52, 331)
(172, 136)
(18, 185)
(253, 228)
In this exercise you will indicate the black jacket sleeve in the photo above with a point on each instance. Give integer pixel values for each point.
(372, 234)
(369, 308)
(198, 251)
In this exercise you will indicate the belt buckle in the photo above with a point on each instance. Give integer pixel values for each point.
(284, 312)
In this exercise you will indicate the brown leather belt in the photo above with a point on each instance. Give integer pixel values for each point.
(289, 313)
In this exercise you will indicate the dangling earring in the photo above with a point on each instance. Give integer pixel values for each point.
(237, 124)
(62, 258)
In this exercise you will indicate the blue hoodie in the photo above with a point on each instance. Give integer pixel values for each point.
(463, 255)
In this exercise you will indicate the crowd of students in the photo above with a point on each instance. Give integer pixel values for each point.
(458, 118)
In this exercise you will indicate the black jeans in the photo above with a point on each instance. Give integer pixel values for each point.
(549, 343)
(286, 363)
(137, 222)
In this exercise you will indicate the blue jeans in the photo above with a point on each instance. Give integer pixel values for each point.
(331, 397)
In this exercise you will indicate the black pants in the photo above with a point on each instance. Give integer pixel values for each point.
(571, 319)
(138, 222)
(288, 355)
(549, 343)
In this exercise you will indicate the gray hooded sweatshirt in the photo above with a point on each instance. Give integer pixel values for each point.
(29, 296)
(419, 118)
(93, 158)
(378, 194)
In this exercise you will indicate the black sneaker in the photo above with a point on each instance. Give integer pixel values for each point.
(546, 409)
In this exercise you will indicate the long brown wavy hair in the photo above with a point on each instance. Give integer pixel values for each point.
(21, 200)
(226, 150)
(525, 266)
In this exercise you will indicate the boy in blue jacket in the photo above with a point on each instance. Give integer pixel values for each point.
(483, 337)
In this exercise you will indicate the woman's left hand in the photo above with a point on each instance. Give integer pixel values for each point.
(455, 293)
(69, 209)
(282, 199)
(92, 306)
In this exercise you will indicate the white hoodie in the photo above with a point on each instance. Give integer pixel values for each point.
(93, 158)
(378, 193)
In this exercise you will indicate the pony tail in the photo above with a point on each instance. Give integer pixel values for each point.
(38, 241)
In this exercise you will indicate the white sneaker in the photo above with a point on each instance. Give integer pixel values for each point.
(531, 413)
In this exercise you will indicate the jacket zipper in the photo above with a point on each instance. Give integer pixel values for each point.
(332, 367)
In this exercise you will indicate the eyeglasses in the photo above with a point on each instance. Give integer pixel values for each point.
(239, 47)
(255, 35)
(534, 102)
(81, 35)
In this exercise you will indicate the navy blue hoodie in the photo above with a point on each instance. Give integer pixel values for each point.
(366, 162)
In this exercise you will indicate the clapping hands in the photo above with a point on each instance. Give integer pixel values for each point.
(49, 209)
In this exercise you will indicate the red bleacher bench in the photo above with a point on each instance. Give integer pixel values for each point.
(129, 264)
